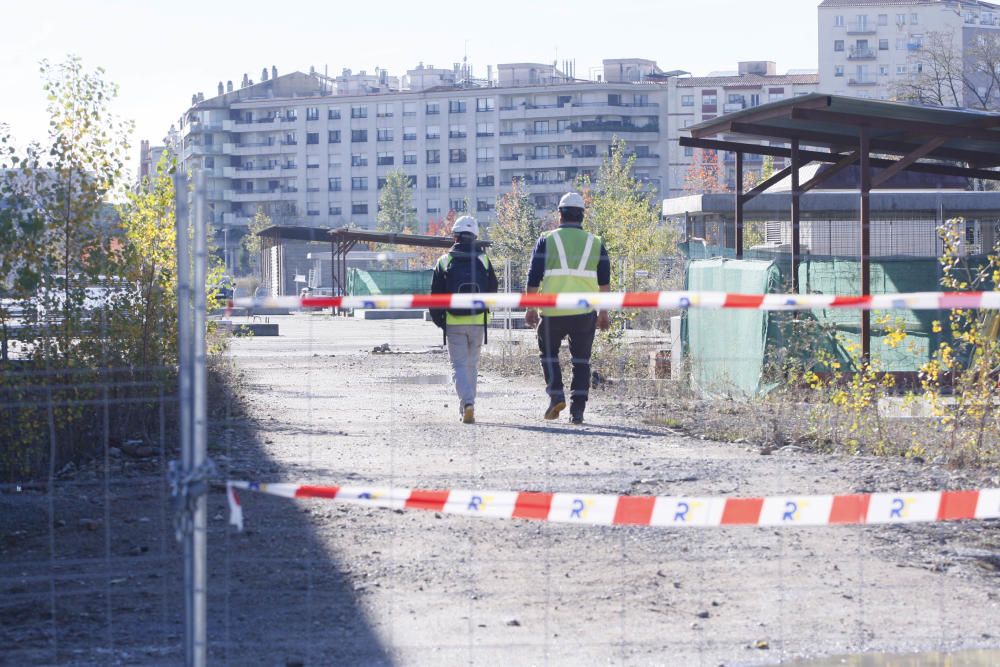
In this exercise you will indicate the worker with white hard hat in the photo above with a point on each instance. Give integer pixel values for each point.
(568, 259)
(463, 269)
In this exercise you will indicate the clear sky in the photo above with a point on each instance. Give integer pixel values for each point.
(161, 52)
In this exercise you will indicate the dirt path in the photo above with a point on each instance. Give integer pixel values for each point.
(425, 589)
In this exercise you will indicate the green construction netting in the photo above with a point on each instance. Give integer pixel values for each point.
(728, 349)
(836, 275)
(725, 348)
(370, 283)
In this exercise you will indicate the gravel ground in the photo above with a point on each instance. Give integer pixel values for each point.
(312, 582)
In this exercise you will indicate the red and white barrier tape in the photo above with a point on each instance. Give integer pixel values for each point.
(628, 300)
(660, 511)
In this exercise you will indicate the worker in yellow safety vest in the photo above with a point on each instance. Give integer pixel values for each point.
(568, 259)
(464, 269)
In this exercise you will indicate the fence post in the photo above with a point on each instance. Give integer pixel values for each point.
(189, 486)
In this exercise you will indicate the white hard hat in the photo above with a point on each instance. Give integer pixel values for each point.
(466, 224)
(571, 200)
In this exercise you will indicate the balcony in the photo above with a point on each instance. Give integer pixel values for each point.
(259, 125)
(861, 53)
(914, 46)
(733, 107)
(235, 219)
(866, 80)
(253, 172)
(254, 148)
(861, 28)
(620, 105)
(277, 194)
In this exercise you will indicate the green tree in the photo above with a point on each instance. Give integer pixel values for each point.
(395, 204)
(251, 240)
(624, 214)
(516, 229)
(766, 167)
(147, 318)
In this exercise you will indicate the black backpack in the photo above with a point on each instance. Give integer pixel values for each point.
(467, 273)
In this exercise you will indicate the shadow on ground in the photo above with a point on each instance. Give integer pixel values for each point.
(91, 573)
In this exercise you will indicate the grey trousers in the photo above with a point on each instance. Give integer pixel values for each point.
(465, 341)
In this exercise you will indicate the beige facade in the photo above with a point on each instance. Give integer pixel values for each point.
(872, 48)
(696, 99)
(313, 155)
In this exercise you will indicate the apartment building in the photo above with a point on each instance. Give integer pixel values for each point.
(870, 48)
(315, 150)
(692, 100)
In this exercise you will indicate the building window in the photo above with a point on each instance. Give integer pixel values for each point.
(883, 19)
(333, 114)
(484, 104)
(333, 137)
(409, 134)
(900, 69)
(456, 106)
(359, 208)
(883, 45)
(380, 183)
(456, 132)
(838, 21)
(433, 156)
(688, 151)
(457, 181)
(433, 205)
(433, 182)
(456, 155)
(457, 205)
(838, 45)
(359, 136)
(709, 101)
(900, 19)
(485, 129)
(409, 157)
(687, 100)
(359, 160)
(838, 70)
(485, 180)
(900, 43)
(333, 184)
(359, 111)
(335, 209)
(385, 134)
(914, 19)
(385, 159)
(312, 113)
(433, 131)
(383, 111)
(359, 183)
(312, 137)
(409, 109)
(883, 70)
(432, 108)
(484, 155)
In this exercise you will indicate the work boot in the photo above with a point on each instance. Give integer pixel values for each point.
(556, 405)
(576, 414)
(468, 414)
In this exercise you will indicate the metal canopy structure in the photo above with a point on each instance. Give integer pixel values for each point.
(342, 240)
(881, 139)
